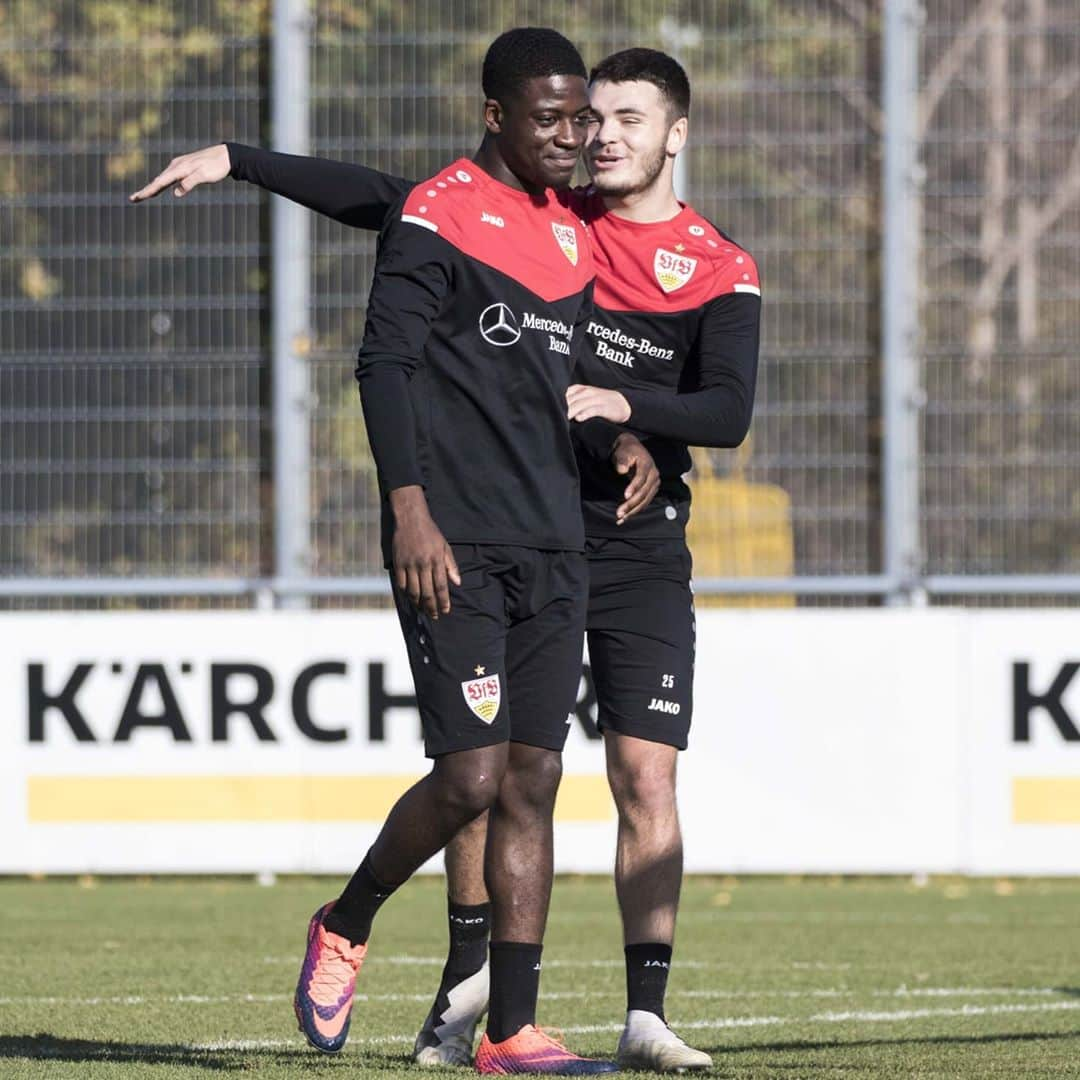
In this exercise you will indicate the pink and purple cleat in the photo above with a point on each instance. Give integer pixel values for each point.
(533, 1050)
(324, 993)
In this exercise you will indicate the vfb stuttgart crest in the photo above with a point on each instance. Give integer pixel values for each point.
(567, 237)
(483, 696)
(673, 271)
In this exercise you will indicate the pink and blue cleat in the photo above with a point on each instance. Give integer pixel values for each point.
(324, 994)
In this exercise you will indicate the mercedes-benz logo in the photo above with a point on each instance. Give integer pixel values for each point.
(498, 326)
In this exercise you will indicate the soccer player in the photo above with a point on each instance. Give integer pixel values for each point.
(673, 354)
(482, 278)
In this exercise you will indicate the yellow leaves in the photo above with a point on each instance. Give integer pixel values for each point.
(342, 17)
(9, 180)
(131, 161)
(249, 19)
(121, 166)
(200, 42)
(346, 438)
(257, 280)
(147, 121)
(36, 282)
(123, 21)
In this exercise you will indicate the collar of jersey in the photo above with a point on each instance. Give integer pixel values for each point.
(485, 179)
(686, 214)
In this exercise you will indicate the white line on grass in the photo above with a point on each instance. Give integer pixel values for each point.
(283, 1044)
(724, 1022)
(439, 961)
(193, 999)
(855, 918)
(857, 1016)
(558, 995)
(962, 1010)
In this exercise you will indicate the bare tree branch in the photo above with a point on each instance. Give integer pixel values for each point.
(856, 10)
(1065, 193)
(1061, 89)
(953, 59)
(804, 181)
(866, 108)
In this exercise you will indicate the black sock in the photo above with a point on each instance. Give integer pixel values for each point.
(354, 910)
(470, 926)
(515, 986)
(647, 969)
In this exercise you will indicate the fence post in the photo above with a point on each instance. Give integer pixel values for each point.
(290, 259)
(677, 37)
(901, 389)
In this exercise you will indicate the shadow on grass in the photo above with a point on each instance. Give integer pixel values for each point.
(729, 1051)
(46, 1047)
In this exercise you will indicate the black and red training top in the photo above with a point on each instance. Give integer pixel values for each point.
(478, 291)
(674, 328)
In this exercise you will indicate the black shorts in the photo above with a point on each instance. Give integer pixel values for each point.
(505, 664)
(641, 637)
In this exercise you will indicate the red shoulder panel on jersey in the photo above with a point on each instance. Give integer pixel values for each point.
(667, 266)
(535, 240)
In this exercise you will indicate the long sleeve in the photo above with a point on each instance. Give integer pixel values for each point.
(412, 275)
(717, 410)
(595, 437)
(352, 194)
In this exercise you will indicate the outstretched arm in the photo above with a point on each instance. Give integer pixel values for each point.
(352, 194)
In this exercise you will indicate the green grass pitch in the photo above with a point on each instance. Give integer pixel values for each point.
(851, 978)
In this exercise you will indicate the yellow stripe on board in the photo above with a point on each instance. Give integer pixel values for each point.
(54, 799)
(1046, 800)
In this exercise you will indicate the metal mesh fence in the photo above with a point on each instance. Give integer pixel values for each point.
(132, 338)
(1000, 108)
(781, 158)
(134, 341)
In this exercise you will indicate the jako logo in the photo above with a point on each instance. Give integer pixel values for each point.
(499, 326)
(659, 705)
(492, 219)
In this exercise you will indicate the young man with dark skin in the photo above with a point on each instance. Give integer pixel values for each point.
(483, 281)
(673, 354)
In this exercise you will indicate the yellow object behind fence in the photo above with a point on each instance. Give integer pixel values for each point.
(739, 529)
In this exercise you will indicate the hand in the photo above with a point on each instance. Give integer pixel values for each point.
(585, 402)
(423, 562)
(206, 166)
(630, 457)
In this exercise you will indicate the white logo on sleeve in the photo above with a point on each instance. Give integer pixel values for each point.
(499, 325)
(492, 219)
